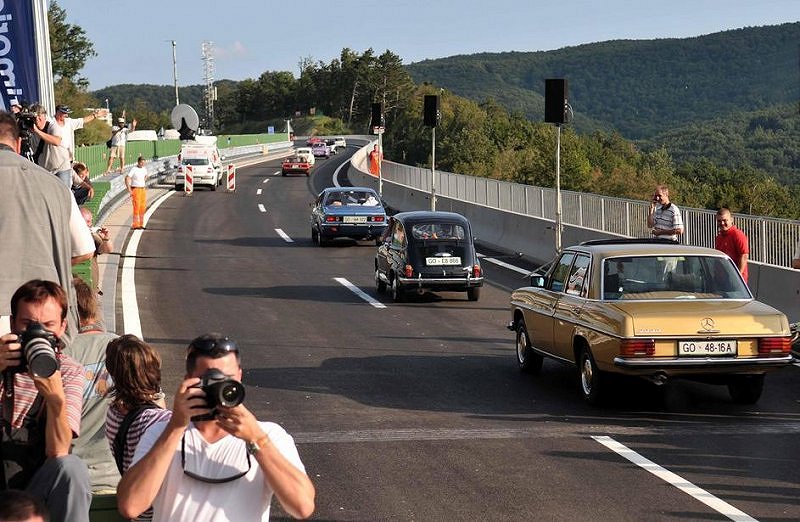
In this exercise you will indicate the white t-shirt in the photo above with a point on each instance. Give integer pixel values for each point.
(68, 137)
(82, 242)
(138, 176)
(245, 499)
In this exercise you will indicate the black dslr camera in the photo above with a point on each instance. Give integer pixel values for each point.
(220, 390)
(38, 351)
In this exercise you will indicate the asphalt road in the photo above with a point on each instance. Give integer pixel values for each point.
(416, 411)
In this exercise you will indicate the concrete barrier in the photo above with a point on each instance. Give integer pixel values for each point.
(535, 237)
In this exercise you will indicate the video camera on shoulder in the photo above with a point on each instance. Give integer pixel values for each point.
(220, 390)
(38, 351)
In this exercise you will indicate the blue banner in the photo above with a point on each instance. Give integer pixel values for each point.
(18, 65)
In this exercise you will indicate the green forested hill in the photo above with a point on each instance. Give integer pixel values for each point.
(640, 88)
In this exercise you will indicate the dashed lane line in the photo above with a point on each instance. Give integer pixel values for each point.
(504, 264)
(284, 235)
(258, 192)
(261, 207)
(265, 180)
(698, 493)
(360, 293)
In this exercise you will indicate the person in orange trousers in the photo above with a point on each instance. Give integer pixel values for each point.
(136, 181)
(375, 158)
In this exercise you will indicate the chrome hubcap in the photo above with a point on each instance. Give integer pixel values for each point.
(586, 375)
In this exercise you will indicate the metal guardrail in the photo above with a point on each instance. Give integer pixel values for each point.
(772, 241)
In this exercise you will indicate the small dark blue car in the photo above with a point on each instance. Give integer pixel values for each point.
(349, 212)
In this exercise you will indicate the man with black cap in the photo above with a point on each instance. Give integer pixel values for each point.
(58, 137)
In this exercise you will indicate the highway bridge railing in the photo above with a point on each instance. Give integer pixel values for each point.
(521, 218)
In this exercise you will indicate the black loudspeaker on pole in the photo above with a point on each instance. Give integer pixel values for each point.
(377, 115)
(431, 115)
(555, 100)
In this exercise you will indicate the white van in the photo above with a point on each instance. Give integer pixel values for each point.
(206, 165)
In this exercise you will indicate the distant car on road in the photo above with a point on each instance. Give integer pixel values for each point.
(321, 150)
(312, 140)
(331, 143)
(650, 308)
(348, 212)
(340, 142)
(424, 250)
(295, 164)
(306, 153)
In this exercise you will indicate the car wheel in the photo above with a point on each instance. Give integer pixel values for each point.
(398, 294)
(527, 360)
(746, 389)
(591, 378)
(380, 284)
(214, 186)
(474, 293)
(283, 174)
(314, 236)
(179, 188)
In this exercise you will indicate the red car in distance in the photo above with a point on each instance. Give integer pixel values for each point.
(295, 164)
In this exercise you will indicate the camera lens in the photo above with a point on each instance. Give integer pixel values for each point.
(41, 357)
(231, 394)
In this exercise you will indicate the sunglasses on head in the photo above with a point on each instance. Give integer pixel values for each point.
(223, 344)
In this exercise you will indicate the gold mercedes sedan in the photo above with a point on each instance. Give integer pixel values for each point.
(649, 308)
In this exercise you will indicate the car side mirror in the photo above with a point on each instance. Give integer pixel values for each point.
(537, 281)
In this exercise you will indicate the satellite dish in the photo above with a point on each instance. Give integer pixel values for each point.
(185, 119)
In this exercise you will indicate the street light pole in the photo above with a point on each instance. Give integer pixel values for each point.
(559, 227)
(433, 169)
(175, 72)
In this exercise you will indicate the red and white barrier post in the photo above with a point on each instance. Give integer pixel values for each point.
(231, 177)
(188, 180)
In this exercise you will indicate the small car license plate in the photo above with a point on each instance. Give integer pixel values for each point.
(354, 219)
(438, 261)
(706, 348)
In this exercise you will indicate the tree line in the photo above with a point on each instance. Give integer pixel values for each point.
(477, 138)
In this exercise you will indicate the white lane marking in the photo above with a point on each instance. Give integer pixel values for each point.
(504, 264)
(284, 235)
(336, 173)
(356, 290)
(131, 322)
(265, 180)
(261, 207)
(258, 192)
(673, 479)
(277, 173)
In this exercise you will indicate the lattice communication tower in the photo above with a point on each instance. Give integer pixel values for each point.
(208, 75)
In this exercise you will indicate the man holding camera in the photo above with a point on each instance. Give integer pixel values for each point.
(664, 217)
(40, 407)
(58, 137)
(213, 460)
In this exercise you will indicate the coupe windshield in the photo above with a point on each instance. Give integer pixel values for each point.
(672, 277)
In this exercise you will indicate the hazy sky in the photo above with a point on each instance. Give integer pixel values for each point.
(132, 38)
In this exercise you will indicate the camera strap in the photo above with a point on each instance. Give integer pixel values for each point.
(40, 146)
(118, 447)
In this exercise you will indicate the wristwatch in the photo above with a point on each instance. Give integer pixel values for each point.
(254, 446)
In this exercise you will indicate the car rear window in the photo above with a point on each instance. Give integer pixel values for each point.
(195, 161)
(352, 198)
(438, 231)
(672, 277)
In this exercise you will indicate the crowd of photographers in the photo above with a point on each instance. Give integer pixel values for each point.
(206, 458)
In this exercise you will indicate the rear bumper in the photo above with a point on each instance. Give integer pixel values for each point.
(352, 230)
(441, 282)
(706, 363)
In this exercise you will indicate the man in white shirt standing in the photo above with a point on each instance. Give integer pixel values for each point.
(136, 181)
(58, 136)
(214, 463)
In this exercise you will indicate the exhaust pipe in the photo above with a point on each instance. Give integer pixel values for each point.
(659, 379)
